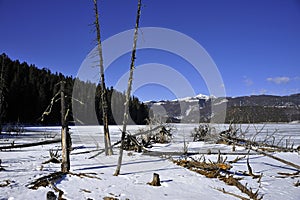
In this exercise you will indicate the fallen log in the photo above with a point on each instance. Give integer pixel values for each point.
(277, 158)
(162, 153)
(30, 144)
(46, 180)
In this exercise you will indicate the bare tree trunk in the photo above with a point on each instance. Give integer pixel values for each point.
(126, 111)
(107, 142)
(65, 164)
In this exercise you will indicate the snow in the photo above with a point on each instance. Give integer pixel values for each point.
(24, 165)
(221, 102)
(195, 98)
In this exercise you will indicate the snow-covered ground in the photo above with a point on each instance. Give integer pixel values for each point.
(22, 166)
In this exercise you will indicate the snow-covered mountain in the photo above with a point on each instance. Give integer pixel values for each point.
(195, 98)
(256, 108)
(182, 109)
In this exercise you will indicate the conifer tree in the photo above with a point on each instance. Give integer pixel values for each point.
(3, 91)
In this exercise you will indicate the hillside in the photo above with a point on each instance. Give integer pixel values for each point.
(26, 91)
(245, 109)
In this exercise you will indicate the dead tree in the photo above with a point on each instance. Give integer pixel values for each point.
(107, 142)
(126, 111)
(65, 136)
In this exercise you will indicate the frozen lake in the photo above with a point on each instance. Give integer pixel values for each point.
(23, 165)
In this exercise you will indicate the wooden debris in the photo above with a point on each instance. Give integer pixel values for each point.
(237, 159)
(85, 190)
(46, 180)
(6, 183)
(155, 181)
(230, 137)
(203, 165)
(88, 175)
(288, 175)
(230, 180)
(52, 160)
(56, 176)
(51, 196)
(202, 133)
(254, 176)
(53, 157)
(277, 158)
(14, 146)
(230, 193)
(297, 184)
(110, 198)
(56, 189)
(212, 170)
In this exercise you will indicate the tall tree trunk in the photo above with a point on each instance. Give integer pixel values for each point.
(107, 142)
(129, 86)
(65, 164)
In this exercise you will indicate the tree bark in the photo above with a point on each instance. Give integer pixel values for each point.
(107, 142)
(126, 111)
(65, 164)
(156, 180)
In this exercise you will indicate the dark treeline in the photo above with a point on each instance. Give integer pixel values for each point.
(26, 92)
(260, 114)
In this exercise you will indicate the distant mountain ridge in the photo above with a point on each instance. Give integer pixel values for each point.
(244, 109)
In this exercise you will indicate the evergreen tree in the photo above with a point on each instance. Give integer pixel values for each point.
(26, 92)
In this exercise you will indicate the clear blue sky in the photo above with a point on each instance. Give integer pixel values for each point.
(254, 43)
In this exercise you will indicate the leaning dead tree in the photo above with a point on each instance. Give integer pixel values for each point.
(107, 142)
(129, 86)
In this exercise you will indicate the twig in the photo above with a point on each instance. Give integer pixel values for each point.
(49, 108)
(237, 159)
(254, 176)
(297, 184)
(88, 175)
(56, 189)
(230, 193)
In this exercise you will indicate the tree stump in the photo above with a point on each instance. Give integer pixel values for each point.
(51, 196)
(155, 180)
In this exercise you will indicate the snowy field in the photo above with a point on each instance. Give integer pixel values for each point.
(24, 165)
